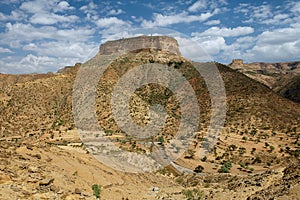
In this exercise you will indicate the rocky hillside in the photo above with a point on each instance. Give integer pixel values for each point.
(281, 77)
(42, 156)
(289, 87)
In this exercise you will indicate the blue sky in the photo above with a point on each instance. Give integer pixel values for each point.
(45, 35)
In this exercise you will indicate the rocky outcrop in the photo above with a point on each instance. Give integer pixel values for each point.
(164, 43)
(237, 62)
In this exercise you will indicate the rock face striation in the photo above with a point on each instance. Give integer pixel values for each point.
(141, 42)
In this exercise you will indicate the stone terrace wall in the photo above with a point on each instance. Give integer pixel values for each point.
(129, 44)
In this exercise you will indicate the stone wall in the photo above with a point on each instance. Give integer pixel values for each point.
(129, 44)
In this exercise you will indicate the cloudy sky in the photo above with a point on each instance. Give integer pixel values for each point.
(45, 35)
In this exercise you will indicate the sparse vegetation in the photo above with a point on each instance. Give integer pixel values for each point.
(193, 194)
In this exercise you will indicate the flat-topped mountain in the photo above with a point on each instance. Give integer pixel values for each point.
(164, 43)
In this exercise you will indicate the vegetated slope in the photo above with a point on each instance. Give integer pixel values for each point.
(261, 130)
(257, 126)
(289, 88)
(44, 105)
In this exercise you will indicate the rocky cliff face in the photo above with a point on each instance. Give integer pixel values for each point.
(164, 43)
(262, 67)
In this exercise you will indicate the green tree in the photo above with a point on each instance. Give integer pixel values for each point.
(198, 169)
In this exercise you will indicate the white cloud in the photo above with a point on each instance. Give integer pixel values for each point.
(90, 10)
(198, 5)
(269, 46)
(15, 15)
(278, 19)
(44, 11)
(192, 50)
(281, 16)
(28, 64)
(115, 12)
(18, 34)
(255, 14)
(212, 22)
(164, 20)
(80, 50)
(90, 6)
(225, 32)
(5, 50)
(9, 1)
(51, 18)
(296, 7)
(37, 6)
(296, 22)
(46, 63)
(45, 6)
(207, 5)
(212, 44)
(279, 36)
(262, 12)
(63, 5)
(109, 21)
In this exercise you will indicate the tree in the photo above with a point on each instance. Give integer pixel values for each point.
(198, 169)
(204, 159)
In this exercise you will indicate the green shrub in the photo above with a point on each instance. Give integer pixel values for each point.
(97, 190)
(227, 165)
(224, 169)
(161, 139)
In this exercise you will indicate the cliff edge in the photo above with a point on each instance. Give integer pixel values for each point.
(129, 44)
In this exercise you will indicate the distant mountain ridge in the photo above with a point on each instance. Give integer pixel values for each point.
(280, 76)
